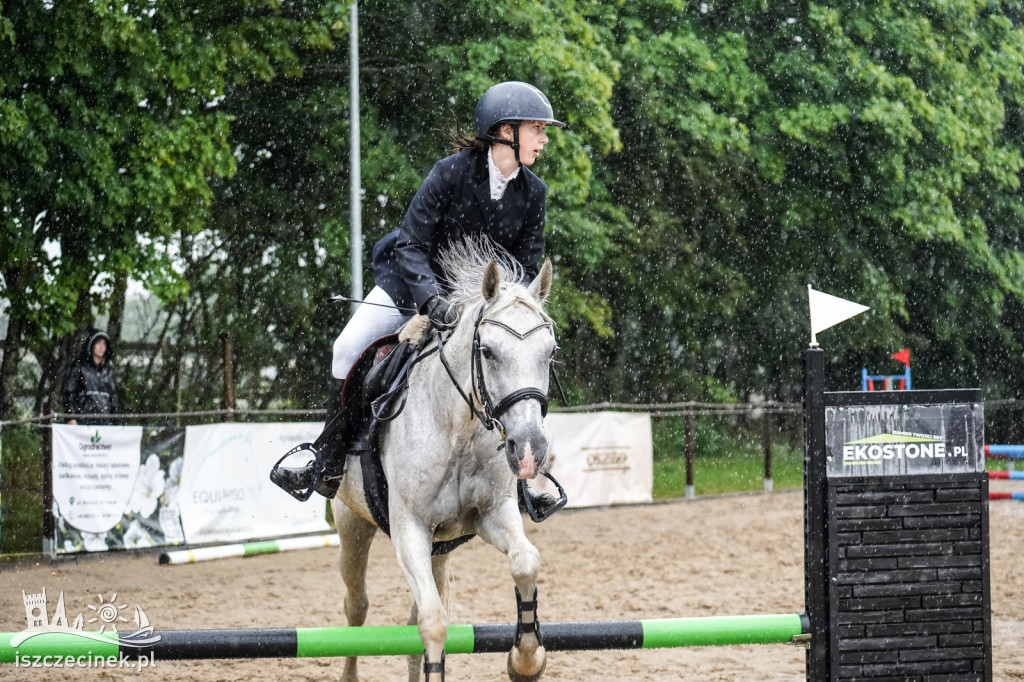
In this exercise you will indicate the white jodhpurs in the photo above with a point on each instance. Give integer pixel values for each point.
(370, 322)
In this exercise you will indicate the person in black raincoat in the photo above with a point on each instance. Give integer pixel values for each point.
(89, 384)
(486, 188)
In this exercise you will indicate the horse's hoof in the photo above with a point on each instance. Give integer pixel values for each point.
(516, 676)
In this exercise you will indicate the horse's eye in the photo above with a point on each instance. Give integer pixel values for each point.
(486, 352)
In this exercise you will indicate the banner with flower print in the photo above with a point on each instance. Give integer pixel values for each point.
(226, 493)
(115, 487)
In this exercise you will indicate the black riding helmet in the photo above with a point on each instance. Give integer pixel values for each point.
(512, 102)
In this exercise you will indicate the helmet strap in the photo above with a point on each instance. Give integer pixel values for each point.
(514, 142)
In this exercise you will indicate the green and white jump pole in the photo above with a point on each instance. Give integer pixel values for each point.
(401, 640)
(190, 556)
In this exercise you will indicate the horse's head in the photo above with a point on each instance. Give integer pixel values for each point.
(514, 341)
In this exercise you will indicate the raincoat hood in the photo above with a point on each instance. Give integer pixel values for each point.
(91, 337)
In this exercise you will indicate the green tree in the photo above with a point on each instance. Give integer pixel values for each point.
(110, 133)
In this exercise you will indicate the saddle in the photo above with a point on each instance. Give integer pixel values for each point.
(376, 388)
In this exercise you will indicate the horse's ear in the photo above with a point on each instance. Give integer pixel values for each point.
(492, 281)
(541, 286)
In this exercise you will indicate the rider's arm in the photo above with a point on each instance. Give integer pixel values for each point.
(422, 221)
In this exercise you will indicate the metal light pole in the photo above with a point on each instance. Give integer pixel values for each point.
(355, 200)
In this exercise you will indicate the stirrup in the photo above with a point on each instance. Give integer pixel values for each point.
(539, 514)
(280, 475)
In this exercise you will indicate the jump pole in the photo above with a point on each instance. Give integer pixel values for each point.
(1004, 451)
(190, 556)
(1007, 475)
(404, 640)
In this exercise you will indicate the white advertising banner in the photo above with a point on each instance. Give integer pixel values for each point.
(226, 494)
(600, 458)
(94, 473)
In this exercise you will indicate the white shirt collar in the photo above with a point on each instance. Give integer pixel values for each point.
(498, 181)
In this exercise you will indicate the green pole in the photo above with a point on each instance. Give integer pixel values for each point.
(721, 630)
(383, 640)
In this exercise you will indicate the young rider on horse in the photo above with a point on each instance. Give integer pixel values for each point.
(485, 188)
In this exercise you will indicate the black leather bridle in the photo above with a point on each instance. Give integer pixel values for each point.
(490, 412)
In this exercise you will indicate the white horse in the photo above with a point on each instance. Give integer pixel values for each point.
(448, 475)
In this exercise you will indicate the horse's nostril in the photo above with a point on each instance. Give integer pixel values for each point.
(510, 445)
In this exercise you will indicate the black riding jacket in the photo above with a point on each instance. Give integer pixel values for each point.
(455, 202)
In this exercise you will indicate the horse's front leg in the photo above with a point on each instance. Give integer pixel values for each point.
(443, 581)
(412, 547)
(504, 530)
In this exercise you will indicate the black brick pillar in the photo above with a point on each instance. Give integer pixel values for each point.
(909, 569)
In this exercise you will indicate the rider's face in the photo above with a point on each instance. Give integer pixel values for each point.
(532, 139)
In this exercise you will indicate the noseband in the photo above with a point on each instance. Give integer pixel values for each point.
(490, 413)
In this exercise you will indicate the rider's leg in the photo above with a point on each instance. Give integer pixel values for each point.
(368, 323)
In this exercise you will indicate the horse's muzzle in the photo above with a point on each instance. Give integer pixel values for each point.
(526, 454)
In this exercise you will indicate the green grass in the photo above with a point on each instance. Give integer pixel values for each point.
(21, 480)
(729, 474)
(728, 455)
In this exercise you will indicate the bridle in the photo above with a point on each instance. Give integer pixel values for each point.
(489, 412)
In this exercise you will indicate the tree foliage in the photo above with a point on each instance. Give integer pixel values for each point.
(721, 157)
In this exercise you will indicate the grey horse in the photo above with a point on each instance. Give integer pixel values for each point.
(448, 475)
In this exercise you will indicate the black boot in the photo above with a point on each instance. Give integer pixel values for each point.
(339, 430)
(542, 503)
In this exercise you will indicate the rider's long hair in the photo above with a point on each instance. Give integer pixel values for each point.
(460, 141)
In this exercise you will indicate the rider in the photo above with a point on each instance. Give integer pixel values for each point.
(485, 188)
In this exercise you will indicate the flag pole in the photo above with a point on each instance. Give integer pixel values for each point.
(814, 338)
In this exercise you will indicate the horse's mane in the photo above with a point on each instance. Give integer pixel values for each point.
(463, 264)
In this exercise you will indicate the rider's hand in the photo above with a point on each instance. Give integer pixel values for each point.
(440, 312)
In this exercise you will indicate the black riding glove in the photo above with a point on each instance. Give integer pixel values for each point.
(440, 312)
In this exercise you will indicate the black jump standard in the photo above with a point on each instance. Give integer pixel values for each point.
(896, 524)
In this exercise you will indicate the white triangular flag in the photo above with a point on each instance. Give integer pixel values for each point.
(829, 310)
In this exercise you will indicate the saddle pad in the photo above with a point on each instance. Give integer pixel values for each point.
(352, 391)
